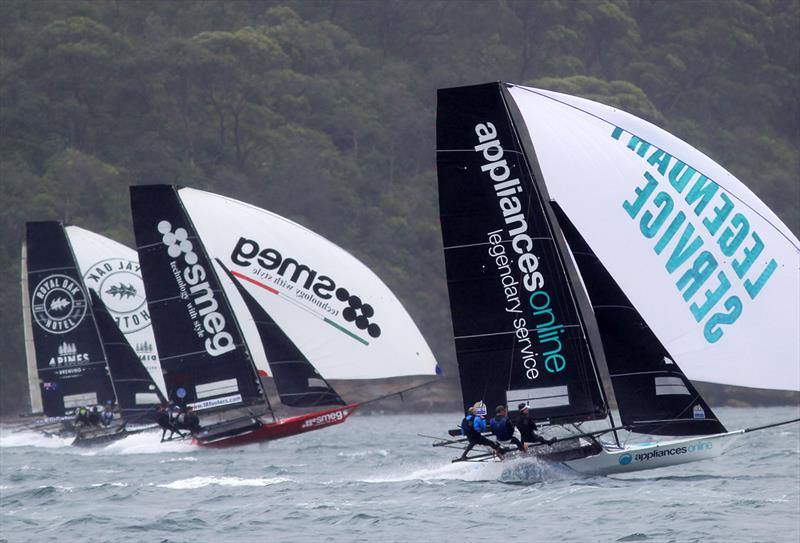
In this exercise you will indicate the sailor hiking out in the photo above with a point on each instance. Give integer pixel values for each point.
(471, 426)
(503, 428)
(527, 428)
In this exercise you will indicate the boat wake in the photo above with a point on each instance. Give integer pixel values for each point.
(144, 443)
(516, 471)
(31, 438)
(200, 482)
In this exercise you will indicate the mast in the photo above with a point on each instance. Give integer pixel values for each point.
(34, 391)
(585, 313)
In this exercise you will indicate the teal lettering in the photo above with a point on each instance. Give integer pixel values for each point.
(711, 330)
(616, 133)
(702, 190)
(681, 252)
(642, 145)
(750, 255)
(664, 201)
(720, 214)
(680, 175)
(712, 298)
(661, 159)
(554, 363)
(670, 232)
(730, 247)
(643, 195)
(702, 268)
(754, 288)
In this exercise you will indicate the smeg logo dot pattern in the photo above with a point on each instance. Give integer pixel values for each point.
(177, 242)
(358, 312)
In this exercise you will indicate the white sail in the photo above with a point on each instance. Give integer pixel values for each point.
(112, 271)
(34, 390)
(710, 267)
(340, 315)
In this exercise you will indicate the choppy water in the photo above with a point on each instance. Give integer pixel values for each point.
(374, 479)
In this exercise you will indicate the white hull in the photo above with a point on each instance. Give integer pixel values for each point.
(655, 455)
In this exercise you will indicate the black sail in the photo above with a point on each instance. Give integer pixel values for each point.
(70, 359)
(134, 386)
(652, 392)
(203, 356)
(518, 332)
(297, 380)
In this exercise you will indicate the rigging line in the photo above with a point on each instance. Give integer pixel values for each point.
(598, 117)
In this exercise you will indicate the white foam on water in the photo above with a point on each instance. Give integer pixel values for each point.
(463, 471)
(178, 459)
(362, 454)
(30, 438)
(200, 482)
(146, 443)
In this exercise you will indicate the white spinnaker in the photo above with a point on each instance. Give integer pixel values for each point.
(315, 321)
(590, 170)
(112, 271)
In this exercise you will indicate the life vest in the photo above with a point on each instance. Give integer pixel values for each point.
(501, 428)
(467, 427)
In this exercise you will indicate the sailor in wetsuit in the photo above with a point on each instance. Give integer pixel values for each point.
(471, 426)
(527, 428)
(503, 429)
(164, 420)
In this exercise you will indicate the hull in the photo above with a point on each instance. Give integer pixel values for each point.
(654, 455)
(257, 432)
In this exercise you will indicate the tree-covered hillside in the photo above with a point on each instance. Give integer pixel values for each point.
(324, 111)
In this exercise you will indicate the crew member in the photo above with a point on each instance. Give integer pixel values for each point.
(503, 428)
(189, 420)
(527, 428)
(94, 416)
(82, 417)
(108, 414)
(471, 426)
(164, 420)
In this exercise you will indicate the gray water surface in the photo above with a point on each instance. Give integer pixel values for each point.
(374, 479)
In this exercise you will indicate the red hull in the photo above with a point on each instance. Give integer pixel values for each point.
(285, 428)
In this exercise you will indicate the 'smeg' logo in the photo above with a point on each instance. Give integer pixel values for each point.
(58, 304)
(177, 242)
(207, 321)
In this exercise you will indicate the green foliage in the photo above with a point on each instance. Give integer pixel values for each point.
(324, 111)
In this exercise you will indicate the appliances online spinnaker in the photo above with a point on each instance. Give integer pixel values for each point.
(237, 293)
(81, 353)
(586, 247)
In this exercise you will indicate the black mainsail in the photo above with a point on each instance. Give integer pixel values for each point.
(71, 362)
(205, 361)
(518, 331)
(136, 391)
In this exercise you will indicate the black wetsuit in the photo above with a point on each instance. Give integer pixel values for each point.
(527, 430)
(474, 436)
(164, 421)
